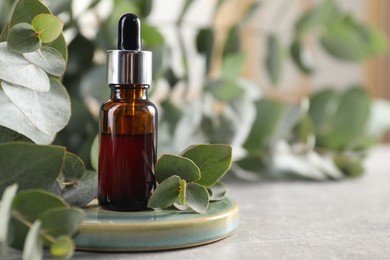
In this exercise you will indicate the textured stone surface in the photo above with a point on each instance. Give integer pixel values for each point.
(302, 220)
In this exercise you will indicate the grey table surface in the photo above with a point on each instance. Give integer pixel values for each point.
(301, 220)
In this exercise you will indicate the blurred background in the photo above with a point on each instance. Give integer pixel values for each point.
(300, 88)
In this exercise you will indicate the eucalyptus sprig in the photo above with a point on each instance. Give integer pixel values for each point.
(32, 219)
(191, 180)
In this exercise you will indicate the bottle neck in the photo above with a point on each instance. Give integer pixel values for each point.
(129, 92)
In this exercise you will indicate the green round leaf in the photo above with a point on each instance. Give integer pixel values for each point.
(48, 59)
(15, 69)
(61, 221)
(8, 135)
(60, 45)
(274, 59)
(166, 193)
(302, 58)
(197, 197)
(94, 154)
(48, 27)
(151, 36)
(232, 44)
(26, 10)
(73, 167)
(41, 165)
(5, 214)
(48, 111)
(217, 192)
(213, 160)
(22, 38)
(29, 205)
(169, 165)
(63, 247)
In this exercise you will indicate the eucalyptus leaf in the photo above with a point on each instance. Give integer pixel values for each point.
(26, 10)
(48, 111)
(48, 59)
(83, 191)
(12, 118)
(197, 197)
(232, 65)
(225, 90)
(61, 221)
(63, 247)
(42, 165)
(29, 205)
(180, 206)
(5, 214)
(8, 135)
(205, 43)
(4, 33)
(274, 59)
(73, 167)
(33, 248)
(183, 190)
(94, 154)
(217, 192)
(350, 166)
(151, 36)
(81, 51)
(302, 57)
(60, 45)
(170, 114)
(47, 26)
(22, 38)
(268, 115)
(169, 165)
(15, 69)
(166, 193)
(232, 44)
(213, 160)
(145, 7)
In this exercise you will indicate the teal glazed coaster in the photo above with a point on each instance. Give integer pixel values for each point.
(111, 231)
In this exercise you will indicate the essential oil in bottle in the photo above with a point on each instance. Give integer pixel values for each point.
(128, 125)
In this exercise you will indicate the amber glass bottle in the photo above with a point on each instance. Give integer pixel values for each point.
(128, 125)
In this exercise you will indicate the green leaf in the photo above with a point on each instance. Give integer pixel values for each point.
(8, 135)
(232, 65)
(151, 36)
(166, 193)
(197, 197)
(22, 38)
(4, 33)
(183, 190)
(33, 248)
(73, 167)
(274, 59)
(303, 130)
(84, 191)
(41, 165)
(48, 111)
(213, 160)
(14, 68)
(47, 26)
(60, 45)
(217, 192)
(225, 90)
(232, 44)
(26, 10)
(29, 205)
(205, 43)
(81, 51)
(12, 118)
(48, 59)
(322, 15)
(5, 214)
(95, 153)
(169, 165)
(323, 105)
(350, 166)
(171, 114)
(145, 6)
(61, 221)
(63, 247)
(302, 57)
(350, 119)
(269, 113)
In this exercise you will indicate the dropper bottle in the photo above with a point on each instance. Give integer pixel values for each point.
(128, 124)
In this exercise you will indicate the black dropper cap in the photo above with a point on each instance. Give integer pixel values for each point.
(129, 32)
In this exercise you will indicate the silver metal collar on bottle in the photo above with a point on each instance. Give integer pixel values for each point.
(129, 67)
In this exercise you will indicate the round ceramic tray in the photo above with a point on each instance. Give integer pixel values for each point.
(104, 230)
